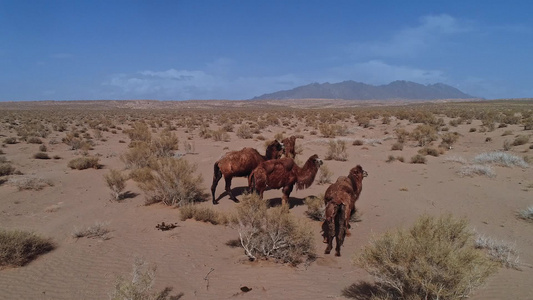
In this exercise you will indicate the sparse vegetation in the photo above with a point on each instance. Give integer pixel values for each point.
(476, 169)
(116, 182)
(30, 183)
(203, 214)
(173, 183)
(98, 230)
(526, 214)
(17, 248)
(273, 233)
(418, 159)
(434, 259)
(499, 251)
(324, 176)
(500, 158)
(315, 208)
(82, 163)
(337, 150)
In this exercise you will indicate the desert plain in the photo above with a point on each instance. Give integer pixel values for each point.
(197, 259)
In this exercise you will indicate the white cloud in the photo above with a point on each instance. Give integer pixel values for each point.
(378, 72)
(411, 41)
(184, 85)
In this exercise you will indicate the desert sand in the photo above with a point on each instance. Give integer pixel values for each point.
(194, 257)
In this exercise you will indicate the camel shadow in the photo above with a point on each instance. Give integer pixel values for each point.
(238, 191)
(292, 202)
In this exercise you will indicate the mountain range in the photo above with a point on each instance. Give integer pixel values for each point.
(352, 90)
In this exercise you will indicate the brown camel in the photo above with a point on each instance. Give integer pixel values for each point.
(340, 200)
(283, 173)
(290, 146)
(240, 164)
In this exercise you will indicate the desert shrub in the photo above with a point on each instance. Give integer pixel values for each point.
(272, 233)
(397, 146)
(34, 140)
(476, 169)
(10, 140)
(43, 148)
(418, 159)
(424, 134)
(41, 155)
(82, 163)
(139, 287)
(429, 151)
(507, 132)
(449, 138)
(328, 130)
(528, 123)
(165, 144)
(324, 176)
(358, 143)
(521, 140)
(18, 248)
(98, 230)
(116, 182)
(400, 158)
(457, 159)
(203, 214)
(139, 132)
(244, 132)
(30, 183)
(499, 251)
(390, 159)
(500, 158)
(6, 169)
(315, 208)
(138, 156)
(141, 174)
(473, 129)
(174, 183)
(526, 214)
(220, 135)
(401, 135)
(507, 145)
(337, 151)
(434, 259)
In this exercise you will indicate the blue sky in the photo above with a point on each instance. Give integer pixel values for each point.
(181, 50)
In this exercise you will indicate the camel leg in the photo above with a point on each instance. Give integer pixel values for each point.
(228, 189)
(286, 192)
(216, 178)
(330, 245)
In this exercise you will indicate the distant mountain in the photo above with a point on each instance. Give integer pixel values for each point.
(352, 90)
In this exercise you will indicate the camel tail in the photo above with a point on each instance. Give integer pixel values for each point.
(340, 222)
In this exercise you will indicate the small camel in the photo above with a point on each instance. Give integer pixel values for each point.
(290, 146)
(283, 173)
(240, 164)
(340, 201)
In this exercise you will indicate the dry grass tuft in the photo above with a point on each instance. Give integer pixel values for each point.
(30, 183)
(499, 251)
(337, 150)
(471, 170)
(18, 248)
(116, 182)
(98, 230)
(526, 214)
(315, 208)
(82, 163)
(273, 233)
(434, 259)
(203, 214)
(324, 176)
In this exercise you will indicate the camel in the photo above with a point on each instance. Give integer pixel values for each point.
(340, 201)
(283, 173)
(290, 146)
(240, 164)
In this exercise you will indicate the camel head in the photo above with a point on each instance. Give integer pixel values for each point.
(318, 162)
(358, 172)
(274, 149)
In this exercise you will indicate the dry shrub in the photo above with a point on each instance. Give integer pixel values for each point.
(41, 155)
(358, 143)
(139, 287)
(434, 259)
(273, 233)
(499, 251)
(244, 132)
(165, 144)
(424, 134)
(116, 182)
(521, 140)
(418, 159)
(138, 156)
(139, 132)
(221, 135)
(397, 146)
(315, 208)
(141, 174)
(401, 135)
(18, 248)
(34, 140)
(429, 151)
(174, 183)
(476, 169)
(325, 175)
(337, 151)
(526, 214)
(98, 230)
(449, 138)
(10, 140)
(82, 163)
(203, 214)
(30, 183)
(328, 130)
(6, 169)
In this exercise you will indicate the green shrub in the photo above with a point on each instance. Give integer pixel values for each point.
(434, 259)
(18, 248)
(174, 183)
(82, 163)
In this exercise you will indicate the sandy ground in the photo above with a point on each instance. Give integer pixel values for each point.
(194, 258)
